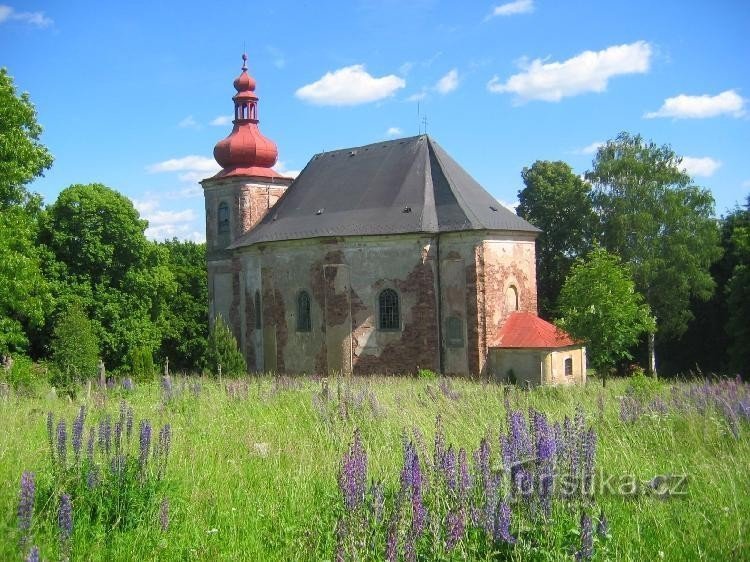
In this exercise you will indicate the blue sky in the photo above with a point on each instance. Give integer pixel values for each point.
(129, 93)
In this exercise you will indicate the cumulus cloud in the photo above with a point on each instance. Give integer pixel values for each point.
(510, 206)
(188, 123)
(393, 132)
(590, 148)
(351, 85)
(701, 107)
(281, 168)
(165, 224)
(419, 96)
(704, 166)
(448, 83)
(512, 8)
(589, 71)
(190, 163)
(36, 19)
(221, 120)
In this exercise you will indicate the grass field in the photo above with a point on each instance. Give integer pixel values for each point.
(253, 467)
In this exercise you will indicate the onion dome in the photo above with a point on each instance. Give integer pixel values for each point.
(246, 152)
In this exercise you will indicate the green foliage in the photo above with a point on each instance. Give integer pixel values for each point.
(643, 387)
(23, 375)
(24, 293)
(427, 374)
(141, 363)
(738, 292)
(557, 201)
(22, 157)
(185, 334)
(75, 349)
(599, 305)
(223, 350)
(659, 223)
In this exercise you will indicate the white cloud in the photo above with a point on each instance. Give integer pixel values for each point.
(186, 164)
(188, 123)
(277, 56)
(221, 120)
(281, 168)
(512, 8)
(393, 132)
(701, 107)
(37, 19)
(448, 83)
(351, 85)
(510, 206)
(589, 71)
(419, 96)
(591, 148)
(704, 167)
(165, 224)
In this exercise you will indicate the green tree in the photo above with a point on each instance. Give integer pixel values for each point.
(75, 348)
(22, 157)
(104, 261)
(660, 224)
(738, 292)
(186, 327)
(599, 305)
(557, 201)
(223, 350)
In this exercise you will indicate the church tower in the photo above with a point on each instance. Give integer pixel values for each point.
(238, 197)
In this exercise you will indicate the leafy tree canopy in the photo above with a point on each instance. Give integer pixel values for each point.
(22, 156)
(599, 305)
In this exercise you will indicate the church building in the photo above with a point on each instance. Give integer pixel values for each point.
(377, 259)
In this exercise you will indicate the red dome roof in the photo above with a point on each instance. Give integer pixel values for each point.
(246, 152)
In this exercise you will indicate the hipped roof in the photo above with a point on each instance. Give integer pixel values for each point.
(527, 330)
(402, 186)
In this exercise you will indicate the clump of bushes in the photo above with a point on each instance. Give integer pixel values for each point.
(223, 350)
(141, 363)
(75, 350)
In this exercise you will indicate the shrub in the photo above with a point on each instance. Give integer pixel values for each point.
(642, 386)
(23, 375)
(75, 349)
(141, 363)
(427, 374)
(223, 350)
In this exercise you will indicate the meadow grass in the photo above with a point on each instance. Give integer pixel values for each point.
(254, 476)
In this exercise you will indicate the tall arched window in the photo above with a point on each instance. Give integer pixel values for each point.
(258, 311)
(303, 312)
(223, 218)
(511, 299)
(389, 317)
(455, 332)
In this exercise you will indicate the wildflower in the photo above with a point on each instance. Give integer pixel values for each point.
(107, 434)
(391, 545)
(353, 474)
(127, 384)
(419, 513)
(587, 539)
(33, 555)
(164, 515)
(589, 450)
(62, 444)
(145, 443)
(78, 433)
(65, 522)
(502, 525)
(26, 505)
(602, 527)
(90, 446)
(464, 477)
(449, 469)
(439, 442)
(92, 478)
(455, 528)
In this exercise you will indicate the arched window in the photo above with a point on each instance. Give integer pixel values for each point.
(223, 218)
(511, 299)
(569, 367)
(455, 332)
(258, 312)
(303, 312)
(389, 316)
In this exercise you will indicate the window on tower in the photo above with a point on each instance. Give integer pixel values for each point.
(303, 312)
(223, 218)
(390, 318)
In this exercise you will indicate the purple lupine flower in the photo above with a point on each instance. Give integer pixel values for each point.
(33, 555)
(164, 515)
(341, 533)
(455, 528)
(65, 518)
(145, 443)
(90, 446)
(378, 501)
(439, 443)
(127, 384)
(602, 527)
(502, 525)
(118, 437)
(92, 478)
(506, 452)
(353, 474)
(391, 545)
(406, 472)
(62, 444)
(483, 458)
(26, 505)
(587, 539)
(108, 434)
(464, 477)
(419, 513)
(410, 551)
(78, 433)
(449, 469)
(589, 452)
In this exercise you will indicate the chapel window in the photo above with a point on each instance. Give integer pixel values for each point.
(511, 299)
(569, 367)
(303, 312)
(223, 218)
(455, 332)
(258, 312)
(389, 316)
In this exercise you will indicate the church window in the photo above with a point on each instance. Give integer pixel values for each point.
(569, 367)
(223, 218)
(511, 299)
(303, 312)
(258, 312)
(389, 316)
(455, 332)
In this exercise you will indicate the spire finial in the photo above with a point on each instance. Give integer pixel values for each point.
(244, 61)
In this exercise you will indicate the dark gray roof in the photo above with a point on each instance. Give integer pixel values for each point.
(394, 187)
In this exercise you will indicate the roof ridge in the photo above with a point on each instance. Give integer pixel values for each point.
(451, 182)
(377, 143)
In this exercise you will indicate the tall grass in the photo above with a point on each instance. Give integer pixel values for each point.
(254, 465)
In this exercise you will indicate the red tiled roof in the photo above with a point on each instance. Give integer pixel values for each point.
(527, 330)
